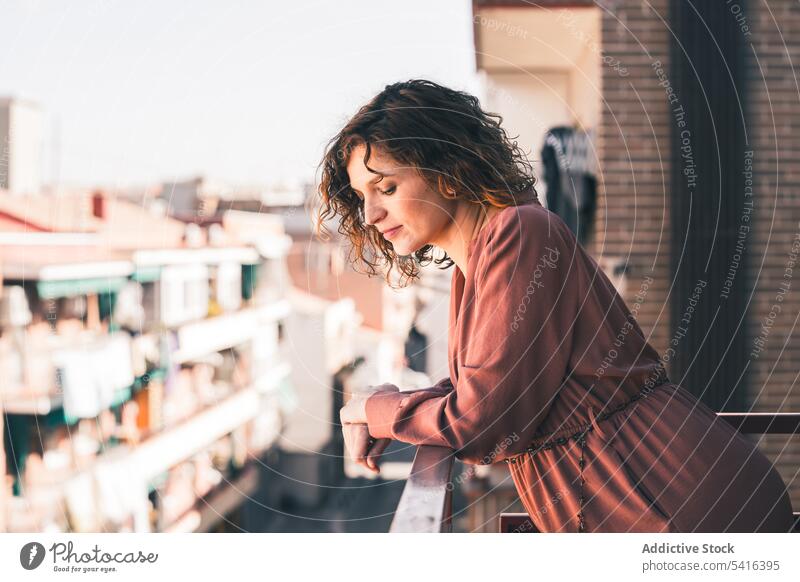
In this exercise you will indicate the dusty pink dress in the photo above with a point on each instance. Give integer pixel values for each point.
(550, 372)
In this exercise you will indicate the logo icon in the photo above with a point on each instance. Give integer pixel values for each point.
(31, 555)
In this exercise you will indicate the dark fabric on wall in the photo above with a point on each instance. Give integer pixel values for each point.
(568, 173)
(416, 350)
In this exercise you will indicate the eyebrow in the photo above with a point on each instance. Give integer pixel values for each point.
(375, 180)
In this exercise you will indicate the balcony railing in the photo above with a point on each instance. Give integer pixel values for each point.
(426, 503)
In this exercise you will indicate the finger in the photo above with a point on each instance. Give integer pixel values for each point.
(375, 453)
(360, 443)
(363, 463)
(366, 462)
(352, 438)
(348, 441)
(347, 431)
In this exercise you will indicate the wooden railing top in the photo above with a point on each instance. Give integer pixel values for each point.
(425, 504)
(764, 422)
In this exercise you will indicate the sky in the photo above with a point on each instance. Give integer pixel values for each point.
(245, 92)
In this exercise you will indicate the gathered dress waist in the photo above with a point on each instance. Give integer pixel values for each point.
(579, 434)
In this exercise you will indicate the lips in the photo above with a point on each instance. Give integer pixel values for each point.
(388, 234)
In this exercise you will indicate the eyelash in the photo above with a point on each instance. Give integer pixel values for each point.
(387, 192)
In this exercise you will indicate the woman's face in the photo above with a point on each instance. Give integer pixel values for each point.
(398, 202)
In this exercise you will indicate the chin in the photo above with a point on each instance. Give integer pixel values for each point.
(408, 243)
(404, 249)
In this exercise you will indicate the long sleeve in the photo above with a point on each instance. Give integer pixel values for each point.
(382, 407)
(518, 342)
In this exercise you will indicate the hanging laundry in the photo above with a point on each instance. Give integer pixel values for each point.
(90, 375)
(569, 176)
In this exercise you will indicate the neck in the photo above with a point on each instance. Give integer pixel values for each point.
(468, 221)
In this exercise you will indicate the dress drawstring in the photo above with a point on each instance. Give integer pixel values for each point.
(580, 438)
(581, 462)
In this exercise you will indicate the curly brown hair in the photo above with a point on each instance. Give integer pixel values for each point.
(463, 150)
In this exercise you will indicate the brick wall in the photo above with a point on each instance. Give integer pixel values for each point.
(634, 145)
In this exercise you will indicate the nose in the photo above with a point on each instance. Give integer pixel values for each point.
(373, 211)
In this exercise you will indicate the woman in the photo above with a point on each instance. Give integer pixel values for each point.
(549, 370)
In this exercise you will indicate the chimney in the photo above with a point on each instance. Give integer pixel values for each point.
(99, 205)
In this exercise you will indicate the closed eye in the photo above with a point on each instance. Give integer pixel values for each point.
(387, 192)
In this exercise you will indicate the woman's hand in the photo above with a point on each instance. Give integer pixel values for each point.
(357, 442)
(355, 411)
(363, 449)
